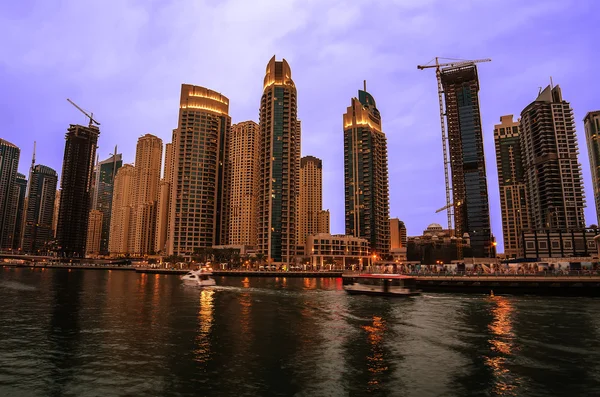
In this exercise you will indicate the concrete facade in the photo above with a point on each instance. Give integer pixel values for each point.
(511, 181)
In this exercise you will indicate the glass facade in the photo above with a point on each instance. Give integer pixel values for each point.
(469, 183)
(366, 174)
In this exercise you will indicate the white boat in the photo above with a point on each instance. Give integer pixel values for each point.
(200, 278)
(381, 284)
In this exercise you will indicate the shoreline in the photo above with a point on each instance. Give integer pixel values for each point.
(544, 285)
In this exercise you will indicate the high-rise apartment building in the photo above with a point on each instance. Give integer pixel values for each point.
(105, 172)
(591, 124)
(511, 181)
(9, 163)
(323, 222)
(40, 210)
(163, 205)
(148, 159)
(366, 174)
(552, 171)
(279, 152)
(469, 183)
(310, 200)
(200, 193)
(244, 166)
(121, 213)
(20, 193)
(397, 234)
(55, 215)
(76, 183)
(94, 234)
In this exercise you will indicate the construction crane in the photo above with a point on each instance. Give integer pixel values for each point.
(89, 116)
(437, 65)
(451, 205)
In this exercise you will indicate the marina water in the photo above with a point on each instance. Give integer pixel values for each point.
(119, 333)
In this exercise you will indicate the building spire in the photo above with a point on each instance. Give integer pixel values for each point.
(365, 85)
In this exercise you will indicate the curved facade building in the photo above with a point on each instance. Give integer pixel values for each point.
(366, 174)
(200, 193)
(279, 159)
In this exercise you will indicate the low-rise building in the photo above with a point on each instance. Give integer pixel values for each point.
(339, 248)
(560, 244)
(438, 245)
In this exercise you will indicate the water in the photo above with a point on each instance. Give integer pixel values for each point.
(118, 333)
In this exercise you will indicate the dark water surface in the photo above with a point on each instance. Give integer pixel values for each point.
(118, 333)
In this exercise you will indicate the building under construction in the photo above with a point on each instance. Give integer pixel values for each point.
(76, 183)
(469, 186)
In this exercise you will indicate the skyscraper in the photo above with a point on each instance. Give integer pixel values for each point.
(591, 123)
(20, 197)
(552, 171)
(279, 152)
(94, 234)
(200, 192)
(244, 166)
(366, 174)
(469, 184)
(310, 200)
(76, 182)
(104, 184)
(148, 159)
(120, 218)
(40, 210)
(163, 210)
(511, 181)
(9, 163)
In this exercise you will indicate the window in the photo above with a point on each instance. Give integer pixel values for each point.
(529, 245)
(568, 244)
(591, 244)
(555, 244)
(543, 245)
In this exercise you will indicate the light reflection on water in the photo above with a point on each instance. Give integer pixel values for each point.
(375, 361)
(88, 333)
(205, 322)
(501, 346)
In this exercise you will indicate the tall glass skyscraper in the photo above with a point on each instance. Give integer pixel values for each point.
(105, 181)
(367, 198)
(469, 183)
(76, 184)
(279, 160)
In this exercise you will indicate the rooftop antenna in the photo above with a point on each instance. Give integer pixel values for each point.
(31, 170)
(365, 85)
(551, 83)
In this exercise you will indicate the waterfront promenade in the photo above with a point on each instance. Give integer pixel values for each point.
(574, 283)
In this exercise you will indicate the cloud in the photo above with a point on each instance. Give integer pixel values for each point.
(126, 60)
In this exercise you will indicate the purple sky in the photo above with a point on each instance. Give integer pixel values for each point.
(126, 59)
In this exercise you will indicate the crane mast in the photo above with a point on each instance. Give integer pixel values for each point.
(437, 65)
